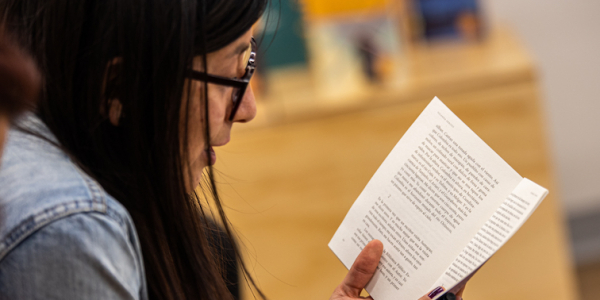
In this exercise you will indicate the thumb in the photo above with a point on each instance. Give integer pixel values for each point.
(362, 270)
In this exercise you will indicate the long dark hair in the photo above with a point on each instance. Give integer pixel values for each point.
(19, 80)
(141, 161)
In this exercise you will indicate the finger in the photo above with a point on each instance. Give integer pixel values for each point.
(460, 288)
(460, 292)
(432, 293)
(363, 269)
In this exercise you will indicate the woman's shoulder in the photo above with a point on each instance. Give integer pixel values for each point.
(80, 256)
(53, 214)
(40, 184)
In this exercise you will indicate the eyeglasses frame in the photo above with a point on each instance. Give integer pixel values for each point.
(240, 83)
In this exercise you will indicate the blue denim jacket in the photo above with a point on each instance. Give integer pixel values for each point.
(61, 235)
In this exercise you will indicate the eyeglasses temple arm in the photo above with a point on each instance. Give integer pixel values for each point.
(238, 83)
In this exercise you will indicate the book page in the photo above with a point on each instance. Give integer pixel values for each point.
(503, 224)
(434, 191)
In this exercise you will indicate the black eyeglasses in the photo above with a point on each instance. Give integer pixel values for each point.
(239, 84)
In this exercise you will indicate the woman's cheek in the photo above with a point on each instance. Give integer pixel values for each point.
(218, 106)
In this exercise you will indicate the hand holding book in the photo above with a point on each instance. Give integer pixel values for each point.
(361, 272)
(363, 269)
(441, 203)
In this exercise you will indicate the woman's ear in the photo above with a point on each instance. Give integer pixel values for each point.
(112, 106)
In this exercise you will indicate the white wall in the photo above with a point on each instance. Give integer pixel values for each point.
(564, 38)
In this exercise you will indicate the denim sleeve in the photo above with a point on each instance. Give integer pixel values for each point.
(82, 256)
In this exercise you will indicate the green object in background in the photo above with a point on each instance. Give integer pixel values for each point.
(288, 47)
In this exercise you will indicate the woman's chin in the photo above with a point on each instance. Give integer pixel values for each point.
(197, 170)
(198, 166)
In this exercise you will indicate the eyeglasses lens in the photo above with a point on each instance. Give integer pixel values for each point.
(245, 59)
(238, 93)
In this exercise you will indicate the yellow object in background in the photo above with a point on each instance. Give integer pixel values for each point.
(328, 8)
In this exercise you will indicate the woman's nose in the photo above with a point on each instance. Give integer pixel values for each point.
(247, 110)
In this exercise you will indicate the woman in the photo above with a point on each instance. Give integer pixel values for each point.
(117, 140)
(135, 95)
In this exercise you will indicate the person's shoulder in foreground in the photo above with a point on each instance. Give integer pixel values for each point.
(61, 235)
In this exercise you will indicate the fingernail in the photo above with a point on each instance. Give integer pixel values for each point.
(435, 292)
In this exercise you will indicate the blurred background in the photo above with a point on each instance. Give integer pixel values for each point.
(340, 81)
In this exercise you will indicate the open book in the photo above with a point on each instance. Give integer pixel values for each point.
(443, 202)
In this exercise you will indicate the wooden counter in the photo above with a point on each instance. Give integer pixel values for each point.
(289, 179)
